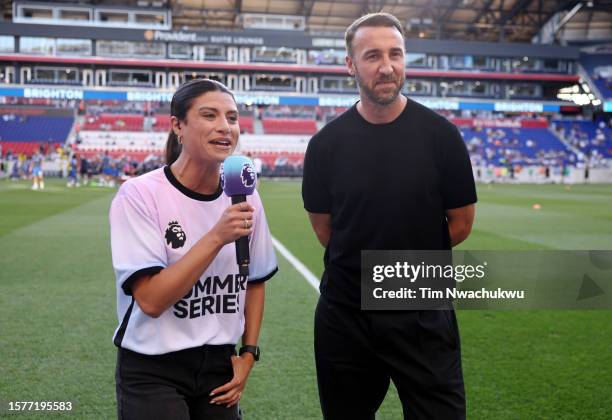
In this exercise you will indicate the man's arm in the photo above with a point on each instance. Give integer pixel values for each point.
(460, 222)
(321, 224)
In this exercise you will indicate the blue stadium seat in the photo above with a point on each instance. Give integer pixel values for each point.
(35, 128)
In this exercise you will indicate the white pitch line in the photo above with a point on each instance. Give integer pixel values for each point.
(297, 264)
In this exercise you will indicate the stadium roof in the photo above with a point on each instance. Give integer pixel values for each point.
(483, 20)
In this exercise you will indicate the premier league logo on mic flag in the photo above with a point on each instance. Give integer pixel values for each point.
(238, 176)
(247, 175)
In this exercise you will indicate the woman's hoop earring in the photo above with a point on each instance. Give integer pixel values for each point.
(180, 139)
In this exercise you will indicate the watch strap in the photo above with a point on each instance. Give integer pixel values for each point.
(254, 350)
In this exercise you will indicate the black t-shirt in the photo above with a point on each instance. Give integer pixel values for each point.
(386, 186)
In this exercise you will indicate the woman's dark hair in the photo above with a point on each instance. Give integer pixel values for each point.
(180, 105)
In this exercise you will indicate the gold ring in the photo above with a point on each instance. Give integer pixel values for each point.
(246, 224)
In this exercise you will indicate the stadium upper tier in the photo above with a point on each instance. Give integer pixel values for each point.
(599, 69)
(268, 61)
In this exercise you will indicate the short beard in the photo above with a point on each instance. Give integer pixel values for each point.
(375, 98)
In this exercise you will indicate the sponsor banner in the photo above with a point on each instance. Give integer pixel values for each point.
(105, 95)
(345, 101)
(149, 95)
(52, 93)
(257, 99)
(296, 100)
(535, 123)
(504, 280)
(200, 38)
(438, 103)
(265, 99)
(500, 123)
(477, 106)
(551, 108)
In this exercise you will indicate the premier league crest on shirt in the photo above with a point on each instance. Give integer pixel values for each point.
(175, 235)
(247, 175)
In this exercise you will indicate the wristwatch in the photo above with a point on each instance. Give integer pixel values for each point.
(254, 350)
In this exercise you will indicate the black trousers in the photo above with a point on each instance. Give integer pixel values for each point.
(358, 352)
(174, 385)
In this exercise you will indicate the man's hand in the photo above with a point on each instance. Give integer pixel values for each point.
(460, 221)
(231, 392)
(321, 224)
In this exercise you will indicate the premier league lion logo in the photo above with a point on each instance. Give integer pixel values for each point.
(247, 175)
(175, 235)
(222, 175)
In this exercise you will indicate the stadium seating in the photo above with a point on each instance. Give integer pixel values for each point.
(35, 128)
(262, 143)
(521, 146)
(588, 137)
(247, 124)
(27, 148)
(282, 164)
(99, 141)
(289, 126)
(162, 122)
(114, 122)
(137, 156)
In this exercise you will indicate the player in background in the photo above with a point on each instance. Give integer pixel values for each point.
(84, 171)
(38, 181)
(73, 171)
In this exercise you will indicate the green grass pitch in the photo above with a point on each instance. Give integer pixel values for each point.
(57, 308)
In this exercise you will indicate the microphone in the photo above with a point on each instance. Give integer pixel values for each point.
(238, 179)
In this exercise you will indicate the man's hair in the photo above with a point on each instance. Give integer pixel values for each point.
(370, 20)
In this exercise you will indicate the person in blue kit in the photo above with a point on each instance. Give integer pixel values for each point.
(73, 172)
(38, 180)
(388, 174)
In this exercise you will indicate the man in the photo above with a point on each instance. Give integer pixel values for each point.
(388, 174)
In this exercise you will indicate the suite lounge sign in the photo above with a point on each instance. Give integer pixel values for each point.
(192, 37)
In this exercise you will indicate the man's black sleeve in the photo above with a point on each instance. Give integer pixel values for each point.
(458, 187)
(315, 183)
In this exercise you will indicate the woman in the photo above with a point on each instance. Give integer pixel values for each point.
(180, 302)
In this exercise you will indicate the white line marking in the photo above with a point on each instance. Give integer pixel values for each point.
(297, 264)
